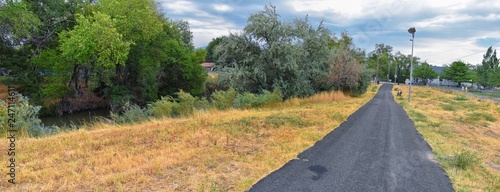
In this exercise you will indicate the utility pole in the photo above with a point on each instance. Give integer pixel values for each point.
(412, 31)
(378, 66)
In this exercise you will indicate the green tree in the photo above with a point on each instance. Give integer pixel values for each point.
(424, 71)
(17, 23)
(201, 55)
(458, 72)
(289, 56)
(346, 73)
(95, 47)
(379, 60)
(211, 49)
(488, 72)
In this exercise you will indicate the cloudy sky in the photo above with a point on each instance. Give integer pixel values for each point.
(446, 30)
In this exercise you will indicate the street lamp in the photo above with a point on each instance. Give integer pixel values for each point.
(412, 31)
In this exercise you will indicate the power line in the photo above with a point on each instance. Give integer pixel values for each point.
(445, 62)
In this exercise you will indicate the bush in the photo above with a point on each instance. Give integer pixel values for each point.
(185, 104)
(165, 107)
(131, 114)
(275, 97)
(202, 104)
(246, 100)
(249, 100)
(26, 118)
(169, 107)
(224, 99)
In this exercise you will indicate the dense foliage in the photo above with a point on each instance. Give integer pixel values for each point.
(458, 72)
(293, 57)
(488, 72)
(79, 52)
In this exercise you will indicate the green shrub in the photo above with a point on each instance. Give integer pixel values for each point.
(165, 107)
(465, 159)
(202, 104)
(131, 114)
(275, 97)
(185, 104)
(249, 100)
(246, 100)
(224, 99)
(169, 107)
(26, 118)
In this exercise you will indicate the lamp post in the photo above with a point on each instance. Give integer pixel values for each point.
(412, 31)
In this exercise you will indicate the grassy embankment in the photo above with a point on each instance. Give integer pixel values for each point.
(215, 150)
(463, 132)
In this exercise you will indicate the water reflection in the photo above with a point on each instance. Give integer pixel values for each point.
(76, 119)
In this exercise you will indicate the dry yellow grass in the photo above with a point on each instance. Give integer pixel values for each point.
(216, 150)
(4, 91)
(452, 124)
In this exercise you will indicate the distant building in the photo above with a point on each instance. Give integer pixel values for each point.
(208, 66)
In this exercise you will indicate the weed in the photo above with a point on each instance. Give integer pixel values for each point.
(470, 106)
(465, 159)
(489, 117)
(337, 116)
(425, 94)
(279, 119)
(449, 107)
(435, 124)
(417, 116)
(473, 117)
(460, 98)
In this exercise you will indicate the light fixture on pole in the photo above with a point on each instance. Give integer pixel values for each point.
(412, 31)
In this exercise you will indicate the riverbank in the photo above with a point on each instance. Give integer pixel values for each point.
(213, 150)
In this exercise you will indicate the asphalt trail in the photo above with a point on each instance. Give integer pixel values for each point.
(376, 149)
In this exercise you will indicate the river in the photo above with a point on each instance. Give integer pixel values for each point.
(77, 119)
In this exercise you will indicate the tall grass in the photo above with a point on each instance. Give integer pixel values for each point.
(217, 151)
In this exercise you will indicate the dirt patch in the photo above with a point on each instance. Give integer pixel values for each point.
(493, 165)
(493, 134)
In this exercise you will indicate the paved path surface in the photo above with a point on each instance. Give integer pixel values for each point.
(376, 149)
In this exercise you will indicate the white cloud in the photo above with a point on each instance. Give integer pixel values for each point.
(443, 21)
(179, 7)
(446, 30)
(443, 51)
(222, 7)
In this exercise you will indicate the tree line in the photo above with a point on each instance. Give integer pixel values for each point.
(70, 55)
